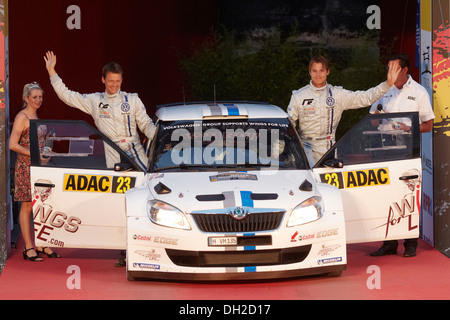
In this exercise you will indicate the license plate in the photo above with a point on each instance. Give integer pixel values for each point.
(222, 241)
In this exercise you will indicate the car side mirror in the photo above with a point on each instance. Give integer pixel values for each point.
(334, 163)
(122, 167)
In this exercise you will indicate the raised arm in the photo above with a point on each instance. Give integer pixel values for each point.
(362, 99)
(69, 97)
(50, 63)
(393, 72)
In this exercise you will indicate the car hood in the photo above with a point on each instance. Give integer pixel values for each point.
(197, 191)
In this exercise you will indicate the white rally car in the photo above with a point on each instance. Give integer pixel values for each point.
(228, 194)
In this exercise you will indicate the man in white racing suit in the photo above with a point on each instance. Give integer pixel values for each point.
(116, 114)
(318, 107)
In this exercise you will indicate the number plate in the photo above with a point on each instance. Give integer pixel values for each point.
(222, 241)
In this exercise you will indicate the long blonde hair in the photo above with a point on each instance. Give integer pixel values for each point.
(27, 91)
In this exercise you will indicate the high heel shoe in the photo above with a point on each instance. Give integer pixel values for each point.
(50, 255)
(32, 258)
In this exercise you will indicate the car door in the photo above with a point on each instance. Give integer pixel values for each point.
(378, 171)
(78, 182)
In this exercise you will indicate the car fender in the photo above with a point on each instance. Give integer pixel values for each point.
(136, 202)
(332, 198)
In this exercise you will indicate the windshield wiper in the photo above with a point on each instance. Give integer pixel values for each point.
(209, 166)
(184, 167)
(254, 165)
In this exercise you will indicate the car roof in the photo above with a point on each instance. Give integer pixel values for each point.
(218, 110)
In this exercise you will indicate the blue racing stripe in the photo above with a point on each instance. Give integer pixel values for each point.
(246, 199)
(232, 110)
(129, 125)
(250, 269)
(137, 157)
(249, 248)
(332, 115)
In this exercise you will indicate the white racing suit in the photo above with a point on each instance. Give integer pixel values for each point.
(319, 111)
(116, 116)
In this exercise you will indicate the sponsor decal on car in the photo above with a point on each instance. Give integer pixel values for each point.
(321, 234)
(357, 178)
(156, 239)
(149, 255)
(329, 260)
(47, 218)
(233, 176)
(95, 183)
(401, 212)
(146, 265)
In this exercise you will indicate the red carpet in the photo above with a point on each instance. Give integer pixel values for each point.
(423, 277)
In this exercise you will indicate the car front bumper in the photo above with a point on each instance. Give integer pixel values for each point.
(155, 252)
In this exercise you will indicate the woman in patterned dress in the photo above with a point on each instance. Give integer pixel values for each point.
(20, 143)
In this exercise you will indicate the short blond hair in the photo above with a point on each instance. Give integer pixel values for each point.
(319, 59)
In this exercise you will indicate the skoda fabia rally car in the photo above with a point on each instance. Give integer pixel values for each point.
(228, 193)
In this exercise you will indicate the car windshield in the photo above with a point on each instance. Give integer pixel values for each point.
(235, 144)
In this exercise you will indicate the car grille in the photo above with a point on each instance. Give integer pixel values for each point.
(223, 223)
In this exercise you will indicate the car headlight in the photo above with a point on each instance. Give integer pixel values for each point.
(164, 214)
(306, 212)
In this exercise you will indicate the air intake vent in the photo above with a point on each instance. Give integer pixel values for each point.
(221, 197)
(225, 223)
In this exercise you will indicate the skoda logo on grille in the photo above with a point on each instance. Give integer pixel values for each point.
(239, 213)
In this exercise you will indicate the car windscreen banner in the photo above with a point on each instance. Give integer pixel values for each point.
(231, 143)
